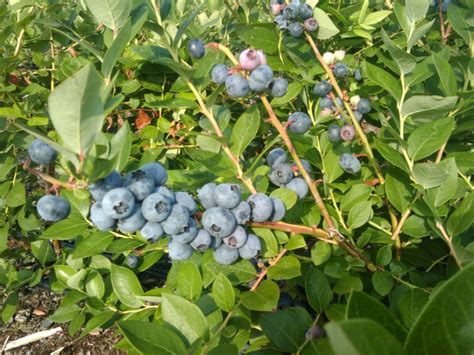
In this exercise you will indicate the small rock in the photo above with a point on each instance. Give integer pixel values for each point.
(46, 324)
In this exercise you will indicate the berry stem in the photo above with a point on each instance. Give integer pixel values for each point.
(449, 242)
(224, 50)
(294, 228)
(271, 263)
(53, 181)
(355, 123)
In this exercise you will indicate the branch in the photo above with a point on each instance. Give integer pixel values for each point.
(296, 229)
(449, 242)
(271, 263)
(53, 181)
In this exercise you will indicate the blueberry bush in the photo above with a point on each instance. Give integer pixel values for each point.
(243, 176)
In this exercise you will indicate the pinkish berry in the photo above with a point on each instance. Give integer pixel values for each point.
(250, 59)
(347, 133)
(276, 8)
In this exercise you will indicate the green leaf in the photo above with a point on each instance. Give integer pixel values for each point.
(415, 226)
(237, 273)
(259, 36)
(189, 281)
(320, 252)
(460, 19)
(112, 13)
(347, 284)
(185, 316)
(417, 9)
(264, 298)
(66, 229)
(9, 307)
(223, 293)
(151, 338)
(384, 79)
(94, 284)
(287, 268)
(429, 137)
(446, 75)
(289, 197)
(245, 130)
(43, 251)
(442, 194)
(382, 282)
(76, 109)
(327, 28)
(65, 313)
(362, 336)
(463, 217)
(126, 286)
(391, 155)
(94, 244)
(16, 196)
(428, 174)
(418, 33)
(318, 291)
(115, 50)
(286, 329)
(446, 324)
(405, 61)
(361, 305)
(359, 214)
(384, 255)
(375, 17)
(409, 305)
(357, 193)
(398, 189)
(426, 106)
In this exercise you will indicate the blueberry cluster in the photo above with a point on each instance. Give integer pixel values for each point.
(260, 77)
(226, 215)
(295, 17)
(287, 175)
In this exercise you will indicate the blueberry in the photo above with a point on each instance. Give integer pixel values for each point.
(299, 122)
(219, 73)
(339, 102)
(132, 223)
(202, 241)
(101, 220)
(326, 102)
(227, 195)
(251, 248)
(157, 172)
(118, 203)
(281, 174)
(322, 88)
(276, 8)
(163, 190)
(279, 87)
(237, 238)
(291, 11)
(279, 210)
(315, 332)
(185, 199)
(140, 183)
(311, 24)
(305, 11)
(242, 213)
(358, 75)
(206, 195)
(100, 187)
(250, 59)
(285, 301)
(281, 22)
(347, 133)
(445, 5)
(215, 243)
(156, 207)
(260, 78)
(196, 48)
(358, 116)
(305, 164)
(262, 207)
(334, 133)
(299, 186)
(340, 70)
(152, 231)
(349, 163)
(132, 261)
(276, 157)
(53, 208)
(41, 153)
(364, 106)
(218, 221)
(179, 251)
(295, 29)
(237, 86)
(188, 234)
(177, 221)
(225, 255)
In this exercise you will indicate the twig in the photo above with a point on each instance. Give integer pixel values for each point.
(53, 181)
(396, 232)
(449, 242)
(31, 338)
(441, 19)
(271, 263)
(296, 229)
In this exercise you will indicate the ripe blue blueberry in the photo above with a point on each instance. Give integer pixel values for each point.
(196, 48)
(188, 234)
(358, 116)
(250, 59)
(206, 195)
(299, 122)
(260, 78)
(152, 231)
(225, 255)
(132, 261)
(202, 241)
(41, 153)
(219, 73)
(140, 183)
(326, 102)
(299, 186)
(227, 195)
(177, 221)
(358, 75)
(276, 157)
(100, 187)
(279, 87)
(305, 11)
(322, 88)
(262, 207)
(363, 106)
(156, 207)
(237, 86)
(279, 210)
(237, 238)
(157, 172)
(218, 221)
(295, 29)
(281, 22)
(281, 174)
(185, 199)
(242, 213)
(347, 133)
(251, 248)
(340, 70)
(118, 203)
(215, 243)
(100, 219)
(291, 11)
(334, 133)
(305, 164)
(311, 24)
(132, 223)
(179, 251)
(53, 208)
(163, 190)
(349, 163)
